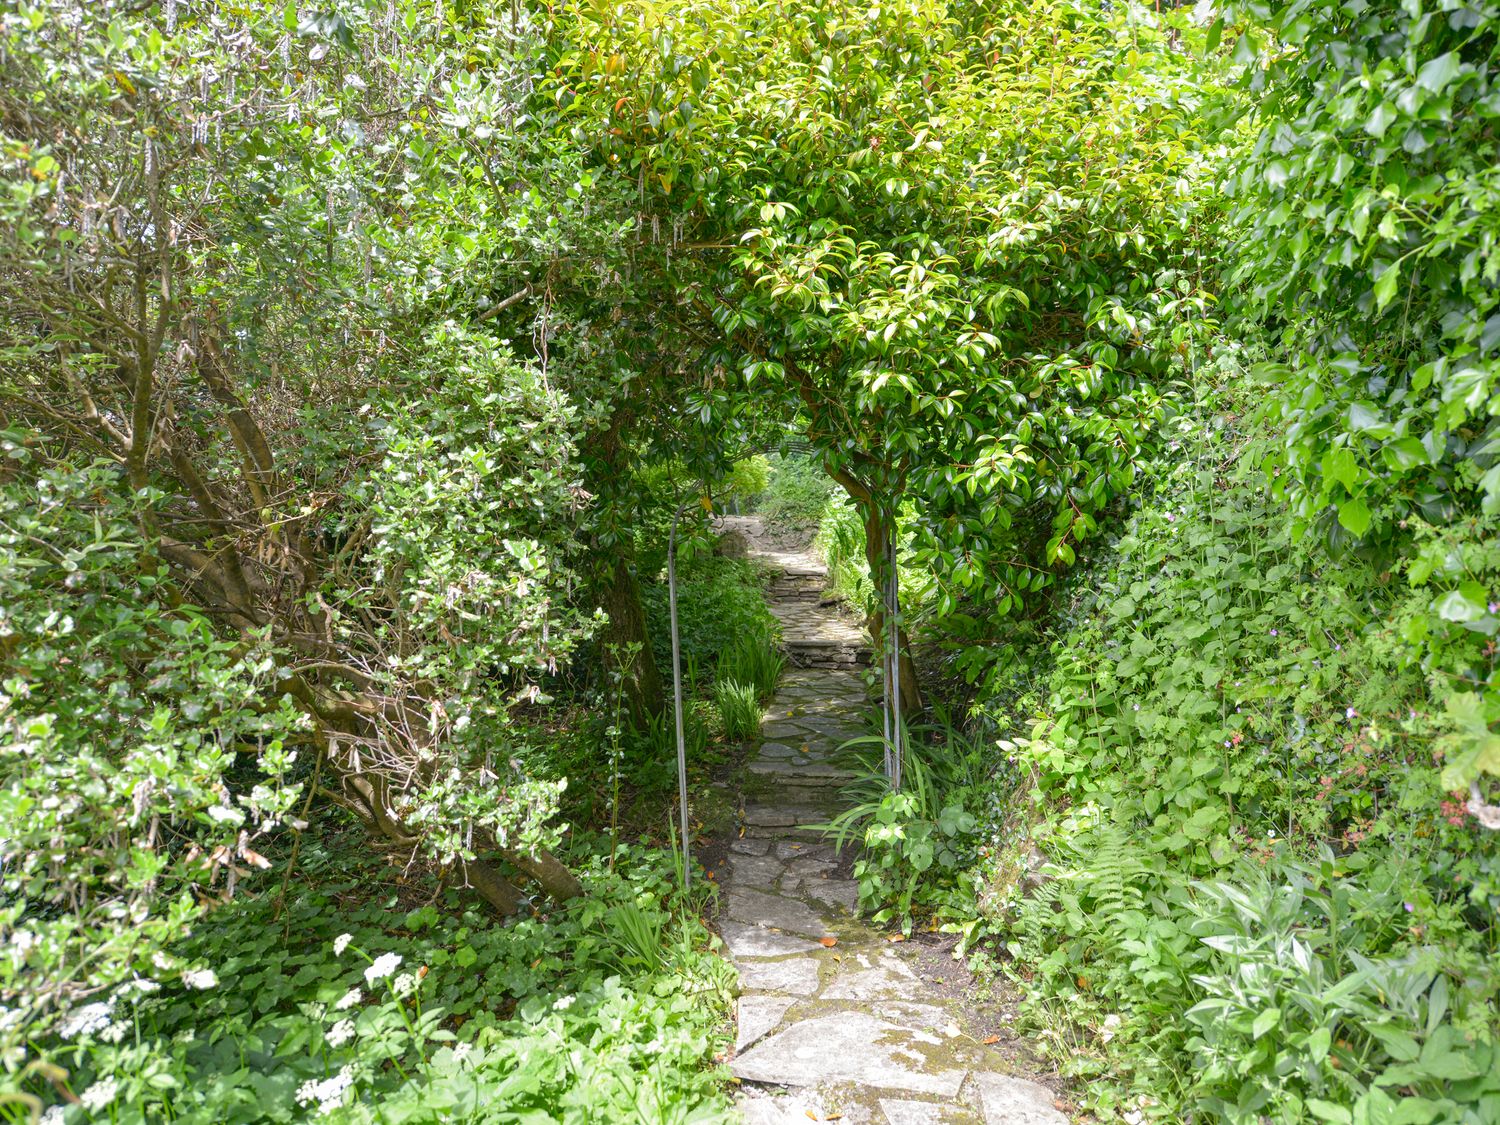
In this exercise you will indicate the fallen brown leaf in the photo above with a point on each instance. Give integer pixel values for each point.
(990, 1040)
(896, 937)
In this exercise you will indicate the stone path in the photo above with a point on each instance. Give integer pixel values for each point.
(815, 634)
(834, 1023)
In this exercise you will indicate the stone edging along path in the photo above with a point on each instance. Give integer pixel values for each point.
(834, 1022)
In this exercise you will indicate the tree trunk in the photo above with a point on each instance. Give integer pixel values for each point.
(877, 535)
(625, 643)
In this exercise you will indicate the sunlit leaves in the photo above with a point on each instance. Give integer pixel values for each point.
(951, 241)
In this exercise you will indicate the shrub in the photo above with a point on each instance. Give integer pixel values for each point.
(1263, 901)
(796, 494)
(747, 479)
(719, 601)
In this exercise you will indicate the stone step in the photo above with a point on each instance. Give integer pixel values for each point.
(798, 831)
(805, 772)
(824, 654)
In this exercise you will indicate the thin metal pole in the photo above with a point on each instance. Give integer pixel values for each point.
(886, 667)
(682, 793)
(895, 617)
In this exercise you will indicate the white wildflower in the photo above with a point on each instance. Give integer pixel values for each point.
(340, 1033)
(349, 999)
(404, 985)
(341, 943)
(383, 967)
(86, 1020)
(200, 978)
(53, 1116)
(145, 986)
(461, 1052)
(23, 942)
(327, 1093)
(114, 1032)
(563, 1004)
(100, 1094)
(223, 814)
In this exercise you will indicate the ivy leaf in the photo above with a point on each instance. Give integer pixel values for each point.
(1340, 465)
(1404, 453)
(1354, 515)
(1379, 121)
(1437, 73)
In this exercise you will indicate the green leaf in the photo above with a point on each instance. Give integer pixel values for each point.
(1458, 606)
(1385, 286)
(1318, 1043)
(1327, 1111)
(1405, 453)
(1379, 121)
(1215, 33)
(1340, 465)
(1265, 1022)
(1437, 73)
(1354, 516)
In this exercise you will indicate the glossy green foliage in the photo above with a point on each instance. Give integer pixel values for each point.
(1370, 214)
(953, 238)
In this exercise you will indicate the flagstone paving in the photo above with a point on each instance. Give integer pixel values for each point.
(834, 1023)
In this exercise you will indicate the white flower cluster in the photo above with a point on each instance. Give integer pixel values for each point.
(349, 999)
(200, 978)
(328, 1093)
(100, 1094)
(404, 985)
(87, 1019)
(340, 1033)
(23, 942)
(53, 1116)
(341, 943)
(384, 966)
